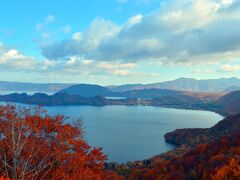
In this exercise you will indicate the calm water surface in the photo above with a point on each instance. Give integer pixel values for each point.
(129, 133)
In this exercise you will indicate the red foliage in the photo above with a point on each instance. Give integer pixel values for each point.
(218, 160)
(34, 145)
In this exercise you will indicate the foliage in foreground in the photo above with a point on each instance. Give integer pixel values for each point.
(35, 145)
(219, 160)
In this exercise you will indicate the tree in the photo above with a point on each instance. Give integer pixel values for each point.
(218, 160)
(35, 145)
(229, 171)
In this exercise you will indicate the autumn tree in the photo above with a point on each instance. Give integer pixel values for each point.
(35, 145)
(218, 160)
(228, 171)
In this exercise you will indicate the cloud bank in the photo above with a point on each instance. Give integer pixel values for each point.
(12, 60)
(180, 32)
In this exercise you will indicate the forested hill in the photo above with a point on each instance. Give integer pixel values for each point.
(192, 137)
(225, 105)
(230, 102)
(87, 90)
(164, 98)
(218, 160)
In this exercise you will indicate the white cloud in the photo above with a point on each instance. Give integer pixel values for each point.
(134, 20)
(198, 14)
(83, 42)
(115, 65)
(186, 32)
(77, 36)
(229, 68)
(15, 61)
(120, 72)
(227, 2)
(87, 62)
(12, 59)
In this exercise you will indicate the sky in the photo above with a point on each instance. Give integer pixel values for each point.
(110, 42)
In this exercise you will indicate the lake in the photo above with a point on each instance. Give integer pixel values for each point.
(129, 133)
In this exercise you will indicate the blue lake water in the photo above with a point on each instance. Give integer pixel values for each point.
(129, 133)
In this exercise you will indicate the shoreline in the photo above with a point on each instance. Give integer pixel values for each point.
(127, 105)
(177, 107)
(141, 105)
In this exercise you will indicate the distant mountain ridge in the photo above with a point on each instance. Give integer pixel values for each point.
(180, 84)
(185, 84)
(38, 87)
(91, 90)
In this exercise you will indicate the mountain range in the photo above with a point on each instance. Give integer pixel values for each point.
(36, 87)
(186, 84)
(180, 84)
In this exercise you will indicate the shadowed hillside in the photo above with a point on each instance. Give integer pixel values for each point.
(230, 102)
(192, 137)
(86, 90)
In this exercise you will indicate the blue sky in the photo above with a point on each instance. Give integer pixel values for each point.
(20, 18)
(118, 41)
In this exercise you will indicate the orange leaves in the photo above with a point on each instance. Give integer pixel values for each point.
(201, 148)
(228, 171)
(218, 160)
(97, 152)
(3, 178)
(34, 144)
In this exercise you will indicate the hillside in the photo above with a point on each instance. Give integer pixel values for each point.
(192, 137)
(125, 87)
(90, 90)
(203, 154)
(230, 102)
(148, 93)
(53, 100)
(232, 88)
(218, 160)
(151, 97)
(86, 90)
